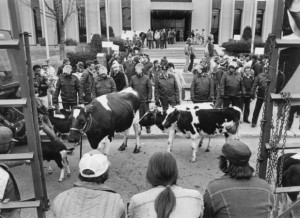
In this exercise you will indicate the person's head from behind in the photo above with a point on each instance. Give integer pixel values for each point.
(93, 167)
(6, 140)
(162, 171)
(234, 160)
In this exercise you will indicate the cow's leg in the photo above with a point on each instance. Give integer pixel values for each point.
(106, 145)
(201, 142)
(194, 150)
(62, 174)
(124, 144)
(208, 146)
(171, 139)
(137, 132)
(49, 168)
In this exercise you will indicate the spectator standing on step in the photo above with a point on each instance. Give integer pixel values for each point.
(203, 36)
(181, 35)
(187, 53)
(209, 50)
(157, 38)
(150, 39)
(192, 57)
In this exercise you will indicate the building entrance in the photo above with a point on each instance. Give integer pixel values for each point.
(169, 19)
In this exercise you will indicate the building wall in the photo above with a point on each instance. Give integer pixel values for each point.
(116, 16)
(201, 15)
(141, 16)
(51, 24)
(92, 18)
(268, 19)
(4, 15)
(226, 21)
(247, 14)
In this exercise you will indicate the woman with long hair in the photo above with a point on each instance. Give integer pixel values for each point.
(165, 199)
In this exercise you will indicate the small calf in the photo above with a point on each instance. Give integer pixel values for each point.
(60, 125)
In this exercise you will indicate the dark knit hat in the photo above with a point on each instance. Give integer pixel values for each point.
(237, 152)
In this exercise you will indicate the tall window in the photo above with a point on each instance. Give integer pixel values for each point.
(81, 20)
(37, 19)
(215, 24)
(103, 17)
(237, 22)
(126, 15)
(259, 22)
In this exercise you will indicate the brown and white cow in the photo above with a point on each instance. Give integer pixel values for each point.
(105, 116)
(198, 123)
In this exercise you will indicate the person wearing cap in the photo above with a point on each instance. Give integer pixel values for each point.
(166, 90)
(103, 84)
(87, 82)
(187, 53)
(202, 87)
(90, 196)
(79, 70)
(217, 76)
(231, 86)
(129, 67)
(260, 83)
(165, 198)
(68, 87)
(8, 186)
(66, 61)
(142, 84)
(118, 76)
(238, 193)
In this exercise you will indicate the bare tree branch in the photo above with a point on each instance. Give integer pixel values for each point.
(50, 9)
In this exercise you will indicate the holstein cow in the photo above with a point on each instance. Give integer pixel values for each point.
(156, 116)
(196, 123)
(107, 114)
(290, 177)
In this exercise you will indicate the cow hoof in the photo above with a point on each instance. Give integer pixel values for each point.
(60, 180)
(192, 160)
(122, 147)
(50, 172)
(136, 150)
(200, 145)
(68, 174)
(207, 150)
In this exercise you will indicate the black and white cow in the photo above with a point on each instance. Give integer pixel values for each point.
(106, 115)
(197, 123)
(290, 177)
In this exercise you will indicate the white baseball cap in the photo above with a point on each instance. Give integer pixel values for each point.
(94, 161)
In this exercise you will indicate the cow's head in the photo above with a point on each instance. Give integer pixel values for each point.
(171, 118)
(153, 117)
(81, 122)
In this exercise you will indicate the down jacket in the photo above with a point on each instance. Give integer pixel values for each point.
(89, 200)
(86, 83)
(143, 86)
(202, 88)
(103, 86)
(166, 88)
(260, 82)
(68, 87)
(232, 85)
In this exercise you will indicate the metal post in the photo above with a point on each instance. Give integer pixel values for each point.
(253, 25)
(45, 30)
(276, 30)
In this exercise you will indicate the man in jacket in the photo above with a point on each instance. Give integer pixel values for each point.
(142, 84)
(61, 67)
(147, 65)
(40, 85)
(231, 86)
(260, 83)
(166, 90)
(154, 72)
(187, 53)
(209, 50)
(86, 82)
(118, 76)
(103, 84)
(246, 98)
(150, 39)
(217, 76)
(202, 87)
(237, 193)
(68, 87)
(256, 65)
(129, 67)
(90, 195)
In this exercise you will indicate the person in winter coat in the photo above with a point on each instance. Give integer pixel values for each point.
(118, 76)
(147, 65)
(103, 84)
(90, 196)
(68, 87)
(129, 67)
(40, 85)
(142, 84)
(202, 87)
(87, 82)
(231, 86)
(217, 76)
(179, 79)
(166, 90)
(66, 61)
(150, 39)
(187, 53)
(246, 98)
(209, 50)
(256, 65)
(154, 72)
(260, 83)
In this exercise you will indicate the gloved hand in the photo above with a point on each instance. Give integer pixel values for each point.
(157, 103)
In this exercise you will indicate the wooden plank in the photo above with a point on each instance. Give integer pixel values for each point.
(10, 44)
(287, 211)
(20, 204)
(294, 97)
(20, 156)
(287, 189)
(13, 102)
(287, 146)
(283, 43)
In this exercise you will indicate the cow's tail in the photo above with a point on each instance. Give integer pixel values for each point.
(240, 111)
